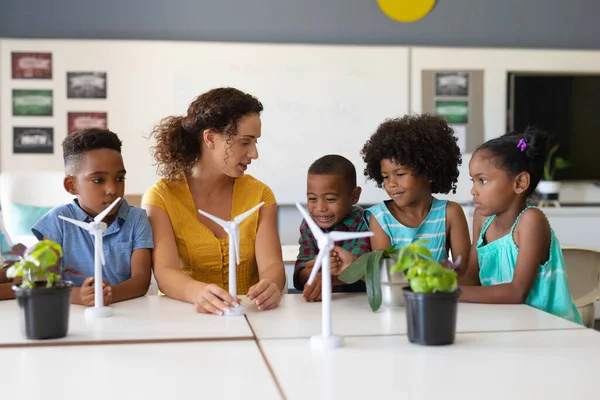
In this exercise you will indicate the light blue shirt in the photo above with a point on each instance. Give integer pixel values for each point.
(432, 229)
(130, 231)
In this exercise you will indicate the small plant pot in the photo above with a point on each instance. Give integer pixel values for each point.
(548, 190)
(45, 311)
(392, 284)
(431, 317)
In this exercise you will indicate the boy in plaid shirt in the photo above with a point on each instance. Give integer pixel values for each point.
(332, 195)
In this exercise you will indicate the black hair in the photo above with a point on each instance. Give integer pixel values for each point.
(78, 142)
(424, 142)
(178, 138)
(334, 164)
(513, 156)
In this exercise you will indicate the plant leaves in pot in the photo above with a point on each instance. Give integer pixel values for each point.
(431, 298)
(383, 285)
(42, 295)
(548, 188)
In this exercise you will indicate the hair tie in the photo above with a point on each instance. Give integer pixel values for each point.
(522, 145)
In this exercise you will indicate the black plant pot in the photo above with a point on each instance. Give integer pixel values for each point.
(45, 311)
(431, 317)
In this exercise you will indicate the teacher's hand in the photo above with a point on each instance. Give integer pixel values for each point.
(215, 300)
(265, 294)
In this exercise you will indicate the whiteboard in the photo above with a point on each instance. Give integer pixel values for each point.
(318, 100)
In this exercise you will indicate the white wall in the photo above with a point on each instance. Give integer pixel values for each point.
(318, 99)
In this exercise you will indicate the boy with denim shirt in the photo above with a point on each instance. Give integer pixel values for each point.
(95, 175)
(332, 195)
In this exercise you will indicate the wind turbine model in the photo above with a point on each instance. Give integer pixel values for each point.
(97, 228)
(233, 230)
(326, 241)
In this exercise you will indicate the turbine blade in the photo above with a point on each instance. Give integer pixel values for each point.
(337, 236)
(314, 228)
(104, 213)
(245, 215)
(82, 224)
(317, 266)
(221, 222)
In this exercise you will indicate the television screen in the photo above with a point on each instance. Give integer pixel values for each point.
(566, 106)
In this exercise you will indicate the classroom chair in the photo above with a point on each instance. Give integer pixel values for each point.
(583, 274)
(25, 197)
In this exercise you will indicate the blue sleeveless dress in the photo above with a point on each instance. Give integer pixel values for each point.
(550, 291)
(432, 229)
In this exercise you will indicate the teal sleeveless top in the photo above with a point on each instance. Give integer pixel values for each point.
(432, 229)
(550, 291)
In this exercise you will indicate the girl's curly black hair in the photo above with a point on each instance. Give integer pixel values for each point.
(424, 142)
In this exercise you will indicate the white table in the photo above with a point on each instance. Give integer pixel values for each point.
(295, 318)
(557, 364)
(165, 371)
(148, 318)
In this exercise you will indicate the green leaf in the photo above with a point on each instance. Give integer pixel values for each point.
(356, 270)
(51, 279)
(46, 252)
(561, 163)
(27, 285)
(373, 280)
(419, 285)
(424, 252)
(400, 262)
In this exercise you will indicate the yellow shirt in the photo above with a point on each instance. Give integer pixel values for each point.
(202, 256)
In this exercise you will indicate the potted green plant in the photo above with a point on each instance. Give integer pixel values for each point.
(431, 297)
(548, 188)
(43, 296)
(383, 285)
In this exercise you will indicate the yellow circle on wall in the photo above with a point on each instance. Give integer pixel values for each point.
(406, 10)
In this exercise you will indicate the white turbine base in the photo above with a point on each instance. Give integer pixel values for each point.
(326, 342)
(98, 312)
(235, 311)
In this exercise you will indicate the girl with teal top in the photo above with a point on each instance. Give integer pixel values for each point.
(515, 257)
(412, 158)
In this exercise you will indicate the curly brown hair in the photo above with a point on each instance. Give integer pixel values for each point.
(424, 142)
(179, 138)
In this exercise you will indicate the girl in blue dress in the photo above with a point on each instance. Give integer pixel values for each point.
(515, 257)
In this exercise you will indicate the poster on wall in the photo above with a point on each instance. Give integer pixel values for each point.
(85, 120)
(31, 65)
(452, 84)
(86, 85)
(34, 140)
(453, 111)
(26, 102)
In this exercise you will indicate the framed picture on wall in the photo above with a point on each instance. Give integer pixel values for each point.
(453, 111)
(452, 84)
(34, 140)
(31, 102)
(86, 85)
(85, 120)
(31, 65)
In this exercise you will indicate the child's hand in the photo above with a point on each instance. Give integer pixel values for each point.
(107, 292)
(343, 258)
(87, 292)
(313, 292)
